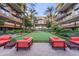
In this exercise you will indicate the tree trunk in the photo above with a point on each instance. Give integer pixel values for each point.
(23, 25)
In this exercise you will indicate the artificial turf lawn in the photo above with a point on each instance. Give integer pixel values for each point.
(20, 37)
(38, 36)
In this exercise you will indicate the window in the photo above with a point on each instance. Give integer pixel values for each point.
(76, 9)
(5, 13)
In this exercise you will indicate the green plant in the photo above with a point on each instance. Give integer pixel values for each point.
(18, 31)
(28, 31)
(48, 24)
(13, 40)
(1, 22)
(1, 32)
(10, 32)
(28, 24)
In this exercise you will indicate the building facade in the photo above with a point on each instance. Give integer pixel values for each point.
(40, 23)
(67, 15)
(7, 20)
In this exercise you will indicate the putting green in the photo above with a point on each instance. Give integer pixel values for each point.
(20, 37)
(38, 36)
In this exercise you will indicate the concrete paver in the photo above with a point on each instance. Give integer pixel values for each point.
(39, 49)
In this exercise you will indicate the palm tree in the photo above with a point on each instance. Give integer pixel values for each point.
(32, 12)
(50, 16)
(49, 12)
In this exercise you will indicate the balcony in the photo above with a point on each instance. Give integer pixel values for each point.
(15, 19)
(7, 24)
(60, 16)
(68, 25)
(12, 25)
(9, 17)
(65, 6)
(18, 8)
(77, 24)
(71, 18)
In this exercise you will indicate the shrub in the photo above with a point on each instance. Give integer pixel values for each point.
(28, 31)
(13, 40)
(67, 30)
(13, 31)
(1, 32)
(18, 31)
(10, 32)
(49, 29)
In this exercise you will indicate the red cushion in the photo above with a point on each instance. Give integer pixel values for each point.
(3, 41)
(76, 42)
(74, 38)
(21, 40)
(5, 37)
(59, 44)
(1, 38)
(54, 38)
(25, 38)
(22, 43)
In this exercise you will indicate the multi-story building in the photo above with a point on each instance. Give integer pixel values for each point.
(7, 20)
(40, 23)
(67, 15)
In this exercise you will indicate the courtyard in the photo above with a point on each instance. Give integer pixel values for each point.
(37, 36)
(40, 28)
(40, 47)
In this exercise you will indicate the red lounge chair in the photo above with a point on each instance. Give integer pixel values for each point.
(4, 39)
(57, 42)
(27, 42)
(28, 38)
(74, 40)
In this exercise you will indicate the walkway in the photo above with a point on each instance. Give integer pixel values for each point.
(39, 49)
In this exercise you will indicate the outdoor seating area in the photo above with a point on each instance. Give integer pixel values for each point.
(4, 39)
(27, 41)
(74, 40)
(57, 42)
(39, 29)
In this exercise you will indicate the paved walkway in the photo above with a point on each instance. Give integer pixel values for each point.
(39, 49)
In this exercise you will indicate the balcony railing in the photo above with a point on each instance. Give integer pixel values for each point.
(10, 17)
(60, 16)
(16, 7)
(68, 25)
(70, 17)
(65, 6)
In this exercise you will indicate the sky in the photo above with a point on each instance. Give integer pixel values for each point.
(41, 7)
